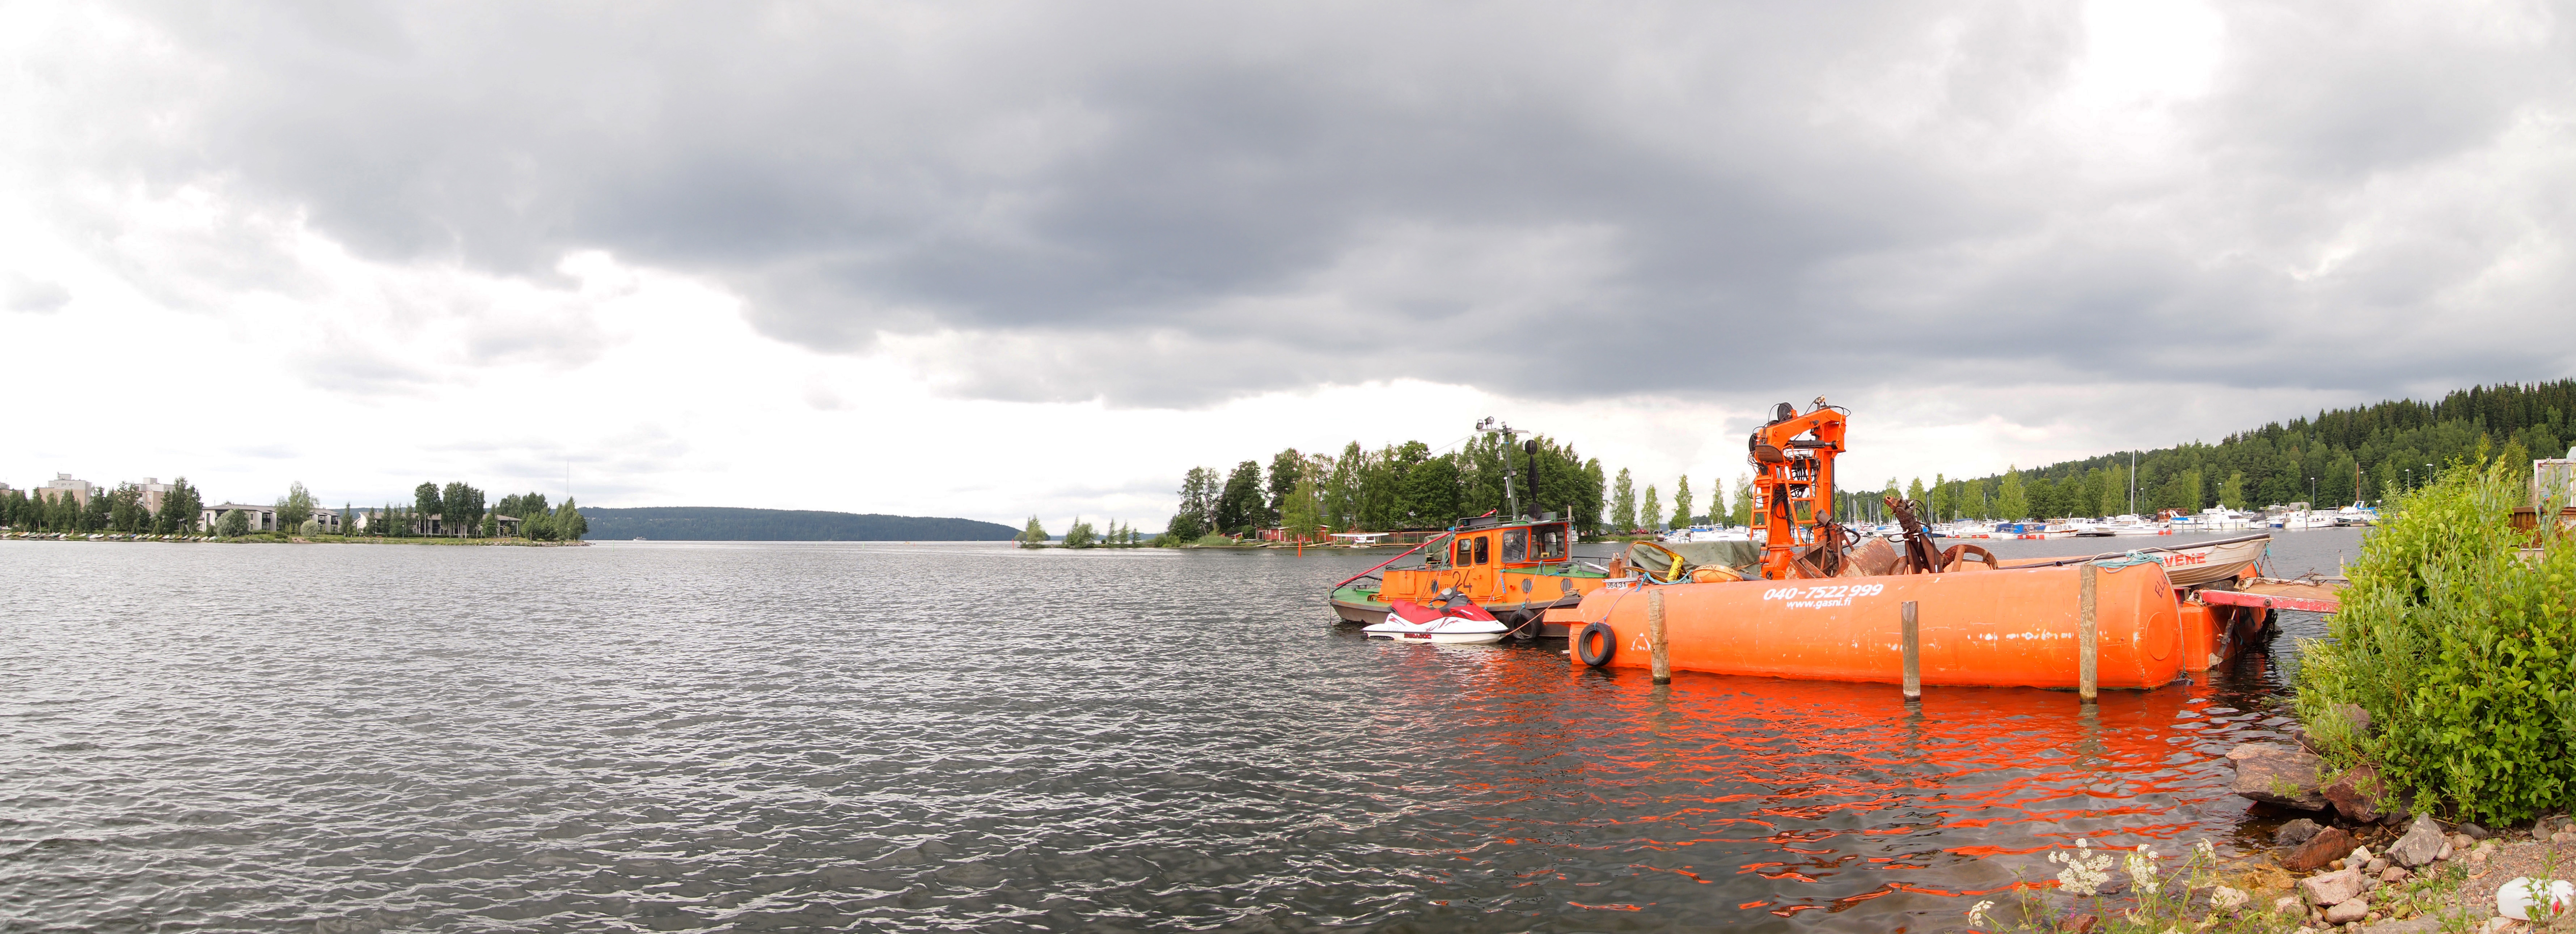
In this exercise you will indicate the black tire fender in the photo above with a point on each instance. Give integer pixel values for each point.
(1596, 638)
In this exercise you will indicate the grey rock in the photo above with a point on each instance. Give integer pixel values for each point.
(2295, 832)
(2376, 866)
(2475, 832)
(2348, 912)
(2331, 888)
(2278, 775)
(2423, 843)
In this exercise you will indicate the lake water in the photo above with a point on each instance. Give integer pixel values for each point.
(684, 737)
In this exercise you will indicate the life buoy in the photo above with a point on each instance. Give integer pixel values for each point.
(1595, 643)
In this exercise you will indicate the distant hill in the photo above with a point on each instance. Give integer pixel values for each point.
(728, 524)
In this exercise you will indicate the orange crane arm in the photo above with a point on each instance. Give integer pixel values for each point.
(1793, 459)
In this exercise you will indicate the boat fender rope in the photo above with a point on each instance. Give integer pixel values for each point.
(1583, 644)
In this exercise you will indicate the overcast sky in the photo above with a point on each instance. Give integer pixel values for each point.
(994, 259)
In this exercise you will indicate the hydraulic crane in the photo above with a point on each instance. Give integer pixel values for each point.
(1793, 490)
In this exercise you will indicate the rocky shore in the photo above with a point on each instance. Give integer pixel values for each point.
(2360, 863)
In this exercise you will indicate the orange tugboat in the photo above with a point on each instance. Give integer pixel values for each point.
(1515, 568)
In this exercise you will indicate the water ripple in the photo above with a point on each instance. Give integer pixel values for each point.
(673, 737)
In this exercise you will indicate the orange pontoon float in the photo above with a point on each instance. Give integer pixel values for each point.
(1992, 628)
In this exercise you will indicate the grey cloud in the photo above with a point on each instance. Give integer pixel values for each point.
(25, 294)
(1169, 204)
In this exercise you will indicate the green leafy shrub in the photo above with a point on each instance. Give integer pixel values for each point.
(2461, 645)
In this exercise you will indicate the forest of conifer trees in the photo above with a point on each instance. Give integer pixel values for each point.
(1401, 486)
(2339, 456)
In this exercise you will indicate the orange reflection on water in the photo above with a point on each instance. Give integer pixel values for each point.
(1759, 795)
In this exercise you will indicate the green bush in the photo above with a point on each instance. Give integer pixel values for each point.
(2461, 645)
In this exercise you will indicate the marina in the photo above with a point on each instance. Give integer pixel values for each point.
(1805, 595)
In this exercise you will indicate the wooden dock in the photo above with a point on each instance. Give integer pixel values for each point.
(2314, 596)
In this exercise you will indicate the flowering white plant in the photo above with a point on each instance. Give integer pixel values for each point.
(2142, 869)
(1977, 915)
(2085, 870)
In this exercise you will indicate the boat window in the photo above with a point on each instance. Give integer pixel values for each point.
(1481, 542)
(1466, 552)
(1551, 544)
(1515, 545)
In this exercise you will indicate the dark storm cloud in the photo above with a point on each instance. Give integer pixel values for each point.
(1168, 204)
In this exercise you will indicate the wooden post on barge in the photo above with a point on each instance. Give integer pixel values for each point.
(2087, 639)
(1661, 649)
(1913, 654)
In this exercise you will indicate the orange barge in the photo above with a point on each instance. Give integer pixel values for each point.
(1828, 606)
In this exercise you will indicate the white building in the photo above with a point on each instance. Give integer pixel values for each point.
(262, 518)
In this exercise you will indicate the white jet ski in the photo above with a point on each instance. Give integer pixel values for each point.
(1450, 620)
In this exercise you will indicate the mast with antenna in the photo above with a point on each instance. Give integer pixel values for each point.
(1511, 501)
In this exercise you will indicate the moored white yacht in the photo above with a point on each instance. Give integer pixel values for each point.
(2033, 530)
